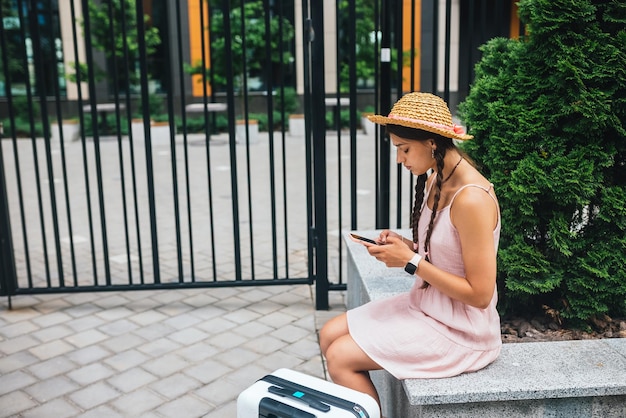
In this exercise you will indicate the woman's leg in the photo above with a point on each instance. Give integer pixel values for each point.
(347, 363)
(333, 329)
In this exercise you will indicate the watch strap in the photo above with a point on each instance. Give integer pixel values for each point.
(411, 266)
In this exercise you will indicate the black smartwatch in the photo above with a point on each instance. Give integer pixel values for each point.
(411, 266)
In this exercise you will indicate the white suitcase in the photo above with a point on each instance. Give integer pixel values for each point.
(289, 394)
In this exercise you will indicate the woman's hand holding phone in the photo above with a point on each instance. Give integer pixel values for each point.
(384, 234)
(381, 240)
(389, 248)
(363, 240)
(393, 252)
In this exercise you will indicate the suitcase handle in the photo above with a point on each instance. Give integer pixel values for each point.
(354, 408)
(299, 396)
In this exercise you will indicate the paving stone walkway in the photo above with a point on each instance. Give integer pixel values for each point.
(168, 353)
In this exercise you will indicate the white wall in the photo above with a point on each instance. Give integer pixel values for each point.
(330, 46)
(455, 23)
(67, 25)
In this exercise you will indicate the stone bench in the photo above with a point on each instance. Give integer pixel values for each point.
(103, 109)
(210, 107)
(584, 378)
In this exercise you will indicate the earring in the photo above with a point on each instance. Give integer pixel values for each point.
(432, 153)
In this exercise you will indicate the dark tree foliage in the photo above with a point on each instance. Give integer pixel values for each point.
(548, 113)
(250, 49)
(363, 42)
(113, 30)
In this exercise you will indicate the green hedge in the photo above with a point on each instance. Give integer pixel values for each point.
(22, 128)
(548, 114)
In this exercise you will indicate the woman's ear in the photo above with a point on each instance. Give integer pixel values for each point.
(433, 146)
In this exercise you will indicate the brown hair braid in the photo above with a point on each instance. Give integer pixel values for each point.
(438, 182)
(417, 206)
(443, 144)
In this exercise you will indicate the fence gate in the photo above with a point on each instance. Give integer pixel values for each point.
(108, 183)
(132, 158)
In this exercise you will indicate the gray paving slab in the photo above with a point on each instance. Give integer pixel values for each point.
(60, 406)
(185, 354)
(15, 403)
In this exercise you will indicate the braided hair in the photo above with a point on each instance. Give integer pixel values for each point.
(443, 145)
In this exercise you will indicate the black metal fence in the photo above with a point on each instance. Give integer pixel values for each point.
(125, 165)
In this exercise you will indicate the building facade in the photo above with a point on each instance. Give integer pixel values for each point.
(438, 39)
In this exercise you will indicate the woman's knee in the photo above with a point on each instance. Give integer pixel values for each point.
(332, 330)
(326, 337)
(345, 355)
(334, 363)
(343, 359)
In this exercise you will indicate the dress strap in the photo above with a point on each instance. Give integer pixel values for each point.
(486, 189)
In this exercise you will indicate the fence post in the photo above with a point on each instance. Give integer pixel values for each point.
(383, 195)
(318, 110)
(8, 279)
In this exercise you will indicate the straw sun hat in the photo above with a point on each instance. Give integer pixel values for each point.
(423, 111)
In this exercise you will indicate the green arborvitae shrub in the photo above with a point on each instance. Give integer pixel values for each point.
(548, 113)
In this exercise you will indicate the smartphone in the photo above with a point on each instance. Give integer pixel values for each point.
(360, 238)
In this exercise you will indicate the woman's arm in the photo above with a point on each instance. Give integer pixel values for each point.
(474, 215)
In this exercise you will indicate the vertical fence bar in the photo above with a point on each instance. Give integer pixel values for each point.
(435, 46)
(467, 47)
(399, 44)
(8, 275)
(283, 142)
(382, 207)
(120, 149)
(180, 60)
(81, 116)
(141, 34)
(246, 118)
(27, 22)
(99, 177)
(378, 5)
(41, 65)
(8, 279)
(339, 10)
(59, 119)
(308, 37)
(16, 155)
(94, 117)
(133, 159)
(318, 89)
(352, 41)
(205, 97)
(446, 54)
(270, 128)
(353, 101)
(173, 159)
(414, 85)
(231, 119)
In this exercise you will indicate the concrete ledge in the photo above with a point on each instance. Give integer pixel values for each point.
(557, 379)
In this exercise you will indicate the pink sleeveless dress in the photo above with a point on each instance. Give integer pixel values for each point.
(423, 333)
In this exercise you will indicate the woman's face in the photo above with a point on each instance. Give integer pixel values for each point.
(416, 156)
